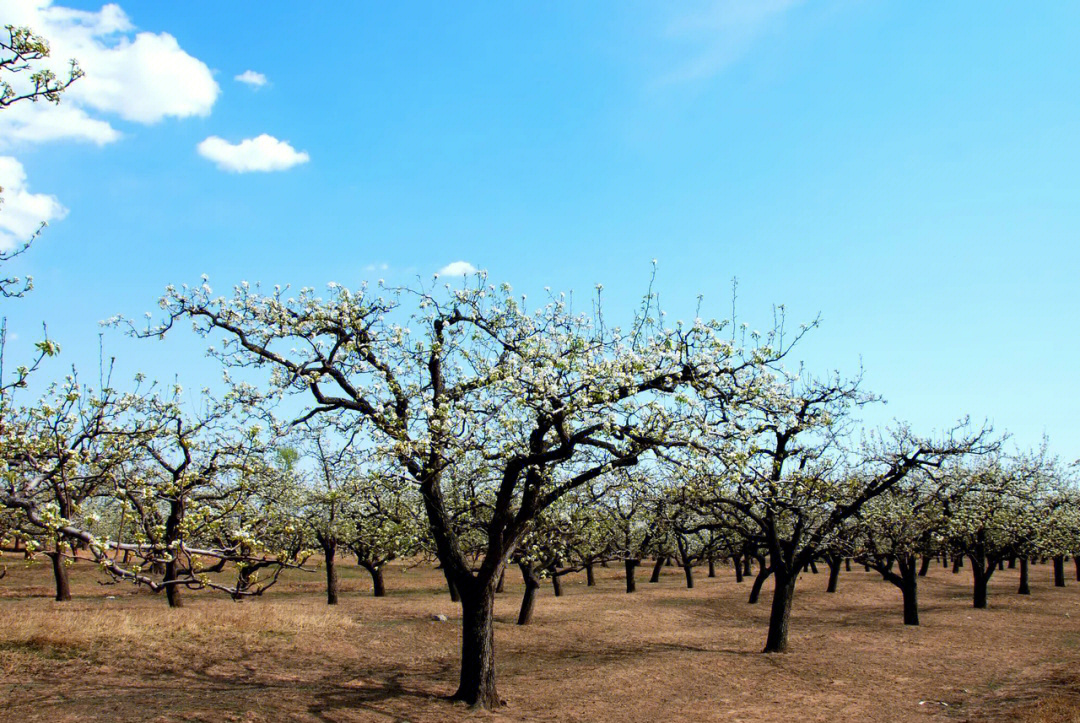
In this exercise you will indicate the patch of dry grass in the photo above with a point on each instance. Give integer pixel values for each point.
(594, 654)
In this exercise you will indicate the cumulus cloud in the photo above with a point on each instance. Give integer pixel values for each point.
(250, 77)
(457, 268)
(724, 31)
(262, 153)
(142, 77)
(22, 212)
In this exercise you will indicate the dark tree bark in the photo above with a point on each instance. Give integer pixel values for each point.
(60, 574)
(1001, 564)
(924, 568)
(631, 586)
(590, 579)
(910, 591)
(738, 568)
(528, 600)
(477, 682)
(172, 533)
(712, 566)
(1059, 571)
(1025, 588)
(1012, 562)
(755, 590)
(455, 596)
(746, 565)
(957, 564)
(502, 581)
(656, 569)
(329, 547)
(378, 586)
(1076, 562)
(780, 613)
(556, 582)
(847, 564)
(834, 573)
(982, 570)
(689, 570)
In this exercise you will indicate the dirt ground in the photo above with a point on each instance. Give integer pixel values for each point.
(663, 653)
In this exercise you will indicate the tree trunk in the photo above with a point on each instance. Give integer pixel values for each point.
(847, 564)
(924, 568)
(746, 565)
(1059, 571)
(755, 591)
(1025, 588)
(777, 640)
(528, 600)
(590, 579)
(738, 568)
(556, 583)
(502, 581)
(330, 558)
(689, 573)
(60, 574)
(631, 586)
(834, 573)
(957, 563)
(1076, 561)
(981, 577)
(656, 569)
(1012, 562)
(909, 588)
(477, 682)
(172, 534)
(712, 566)
(378, 586)
(454, 595)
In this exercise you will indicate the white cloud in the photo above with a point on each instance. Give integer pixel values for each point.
(457, 268)
(724, 30)
(262, 153)
(250, 77)
(377, 267)
(42, 122)
(137, 76)
(22, 212)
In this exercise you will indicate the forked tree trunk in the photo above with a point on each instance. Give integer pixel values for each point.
(60, 574)
(528, 600)
(631, 586)
(656, 569)
(590, 579)
(780, 613)
(1059, 571)
(980, 574)
(476, 685)
(834, 573)
(1025, 588)
(755, 590)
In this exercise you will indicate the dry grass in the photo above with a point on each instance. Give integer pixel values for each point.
(664, 653)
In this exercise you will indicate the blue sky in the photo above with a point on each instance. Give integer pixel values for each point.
(907, 170)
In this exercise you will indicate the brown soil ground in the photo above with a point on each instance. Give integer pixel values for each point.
(663, 653)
